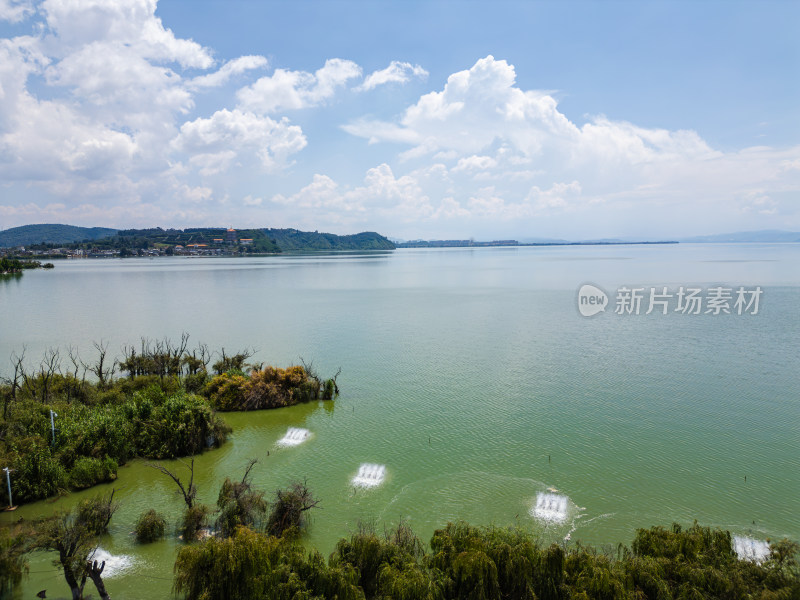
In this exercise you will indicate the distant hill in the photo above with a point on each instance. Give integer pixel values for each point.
(125, 242)
(765, 235)
(292, 240)
(51, 234)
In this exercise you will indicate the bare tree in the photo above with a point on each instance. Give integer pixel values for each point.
(77, 364)
(50, 364)
(190, 491)
(336, 385)
(14, 382)
(101, 369)
(94, 572)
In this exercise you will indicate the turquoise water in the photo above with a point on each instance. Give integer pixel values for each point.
(471, 375)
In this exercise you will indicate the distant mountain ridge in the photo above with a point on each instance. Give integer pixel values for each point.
(763, 236)
(50, 233)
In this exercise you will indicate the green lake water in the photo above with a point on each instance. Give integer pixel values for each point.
(468, 373)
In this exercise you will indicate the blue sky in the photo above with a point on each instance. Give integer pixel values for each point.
(415, 119)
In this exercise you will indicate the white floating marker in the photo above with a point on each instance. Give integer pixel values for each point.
(115, 564)
(294, 437)
(550, 507)
(369, 475)
(751, 549)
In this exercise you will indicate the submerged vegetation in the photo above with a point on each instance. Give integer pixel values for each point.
(67, 424)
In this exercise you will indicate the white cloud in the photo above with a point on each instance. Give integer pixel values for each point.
(15, 10)
(382, 194)
(250, 201)
(228, 70)
(292, 90)
(396, 72)
(475, 163)
(124, 22)
(482, 107)
(235, 133)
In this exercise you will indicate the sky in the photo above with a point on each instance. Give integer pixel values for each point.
(418, 120)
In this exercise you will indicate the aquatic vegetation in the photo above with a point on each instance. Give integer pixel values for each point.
(150, 527)
(239, 504)
(288, 515)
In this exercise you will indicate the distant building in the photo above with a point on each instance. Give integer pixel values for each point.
(246, 241)
(230, 236)
(218, 240)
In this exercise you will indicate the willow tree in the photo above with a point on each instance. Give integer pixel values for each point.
(253, 566)
(13, 566)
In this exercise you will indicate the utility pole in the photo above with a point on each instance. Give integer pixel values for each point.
(8, 480)
(53, 425)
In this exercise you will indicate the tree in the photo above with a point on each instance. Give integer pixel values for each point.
(239, 504)
(252, 566)
(13, 565)
(195, 515)
(289, 510)
(73, 534)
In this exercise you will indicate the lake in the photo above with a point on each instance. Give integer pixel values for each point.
(471, 375)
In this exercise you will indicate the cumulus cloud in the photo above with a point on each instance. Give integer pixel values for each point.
(107, 118)
(129, 23)
(482, 107)
(382, 194)
(99, 124)
(227, 134)
(292, 90)
(396, 72)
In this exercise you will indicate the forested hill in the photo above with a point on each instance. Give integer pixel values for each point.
(51, 234)
(192, 240)
(292, 240)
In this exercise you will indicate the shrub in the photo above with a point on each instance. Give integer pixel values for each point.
(196, 382)
(37, 473)
(89, 471)
(182, 425)
(150, 527)
(289, 510)
(270, 387)
(194, 519)
(227, 392)
(328, 389)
